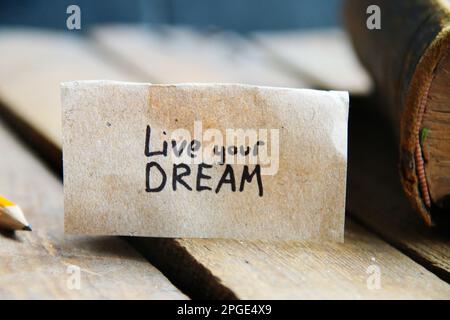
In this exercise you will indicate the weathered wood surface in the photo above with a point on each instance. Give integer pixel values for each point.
(34, 63)
(324, 58)
(433, 248)
(226, 269)
(436, 141)
(375, 196)
(291, 270)
(175, 55)
(36, 265)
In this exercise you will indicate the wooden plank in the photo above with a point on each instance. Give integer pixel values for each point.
(431, 245)
(292, 270)
(361, 82)
(174, 55)
(324, 57)
(36, 265)
(375, 196)
(231, 55)
(34, 63)
(215, 268)
(149, 53)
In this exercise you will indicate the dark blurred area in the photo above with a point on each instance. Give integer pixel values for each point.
(236, 15)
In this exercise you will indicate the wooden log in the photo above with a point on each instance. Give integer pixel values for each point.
(436, 135)
(409, 60)
(229, 269)
(391, 218)
(42, 264)
(375, 196)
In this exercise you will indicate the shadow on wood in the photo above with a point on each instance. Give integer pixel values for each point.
(375, 197)
(9, 234)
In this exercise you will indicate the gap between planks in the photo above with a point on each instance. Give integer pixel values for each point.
(306, 275)
(372, 165)
(375, 197)
(43, 264)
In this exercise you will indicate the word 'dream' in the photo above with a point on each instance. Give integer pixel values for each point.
(204, 160)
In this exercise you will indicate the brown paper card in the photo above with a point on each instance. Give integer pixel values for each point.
(204, 161)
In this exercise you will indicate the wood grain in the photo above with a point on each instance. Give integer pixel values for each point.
(230, 269)
(375, 196)
(34, 265)
(292, 270)
(391, 217)
(436, 142)
(403, 58)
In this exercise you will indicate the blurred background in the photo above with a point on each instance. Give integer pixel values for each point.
(237, 15)
(288, 43)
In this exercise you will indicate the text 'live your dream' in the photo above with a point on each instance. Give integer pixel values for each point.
(242, 153)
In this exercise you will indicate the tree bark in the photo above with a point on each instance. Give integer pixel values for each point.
(409, 61)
